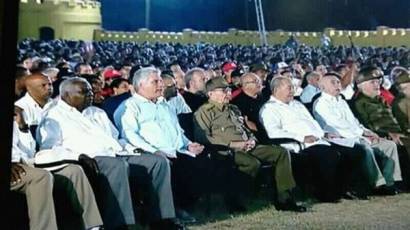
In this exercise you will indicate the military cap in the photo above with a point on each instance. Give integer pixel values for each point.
(216, 83)
(403, 77)
(369, 73)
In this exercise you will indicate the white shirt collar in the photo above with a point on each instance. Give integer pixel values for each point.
(142, 99)
(275, 100)
(27, 97)
(66, 106)
(330, 97)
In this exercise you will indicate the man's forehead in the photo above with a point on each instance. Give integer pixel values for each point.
(154, 77)
(330, 78)
(82, 86)
(250, 76)
(168, 80)
(37, 78)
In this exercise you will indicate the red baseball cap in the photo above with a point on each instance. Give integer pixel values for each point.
(228, 66)
(112, 73)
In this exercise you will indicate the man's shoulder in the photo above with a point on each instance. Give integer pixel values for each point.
(206, 107)
(320, 101)
(233, 107)
(23, 102)
(400, 100)
(117, 99)
(361, 98)
(243, 101)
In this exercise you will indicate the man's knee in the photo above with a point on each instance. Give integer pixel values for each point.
(278, 152)
(110, 164)
(253, 166)
(160, 162)
(74, 170)
(44, 177)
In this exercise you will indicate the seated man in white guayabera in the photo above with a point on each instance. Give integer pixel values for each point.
(334, 116)
(36, 100)
(284, 117)
(67, 181)
(64, 125)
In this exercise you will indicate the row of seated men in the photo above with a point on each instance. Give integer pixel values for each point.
(146, 148)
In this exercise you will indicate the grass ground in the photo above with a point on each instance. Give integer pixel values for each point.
(377, 213)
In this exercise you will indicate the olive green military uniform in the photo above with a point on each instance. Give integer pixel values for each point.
(401, 111)
(401, 104)
(376, 115)
(220, 124)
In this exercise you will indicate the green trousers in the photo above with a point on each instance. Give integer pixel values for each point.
(250, 162)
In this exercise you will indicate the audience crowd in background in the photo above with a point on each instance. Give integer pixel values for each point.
(159, 126)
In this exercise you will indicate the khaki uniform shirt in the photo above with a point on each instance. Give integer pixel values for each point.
(401, 110)
(219, 124)
(376, 115)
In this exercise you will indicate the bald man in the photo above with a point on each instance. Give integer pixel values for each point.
(37, 98)
(335, 117)
(71, 181)
(250, 101)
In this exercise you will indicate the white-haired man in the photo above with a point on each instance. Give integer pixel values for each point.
(120, 172)
(146, 121)
(335, 116)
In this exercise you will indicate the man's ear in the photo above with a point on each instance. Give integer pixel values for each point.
(66, 97)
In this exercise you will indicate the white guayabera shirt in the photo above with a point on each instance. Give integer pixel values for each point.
(334, 116)
(24, 146)
(64, 126)
(291, 120)
(32, 112)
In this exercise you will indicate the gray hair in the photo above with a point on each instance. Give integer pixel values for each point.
(278, 82)
(142, 75)
(325, 78)
(311, 75)
(190, 74)
(360, 86)
(68, 85)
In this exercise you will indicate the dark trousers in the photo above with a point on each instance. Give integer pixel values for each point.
(358, 168)
(151, 175)
(404, 157)
(113, 193)
(190, 177)
(205, 174)
(318, 166)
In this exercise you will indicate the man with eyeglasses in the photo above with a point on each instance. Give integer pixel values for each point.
(250, 101)
(377, 115)
(262, 71)
(335, 116)
(220, 123)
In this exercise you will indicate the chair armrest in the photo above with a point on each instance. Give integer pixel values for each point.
(279, 141)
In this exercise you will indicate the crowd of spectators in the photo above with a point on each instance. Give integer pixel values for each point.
(159, 125)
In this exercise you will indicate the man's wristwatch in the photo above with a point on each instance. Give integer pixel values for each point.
(138, 150)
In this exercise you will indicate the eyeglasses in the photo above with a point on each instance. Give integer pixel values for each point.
(253, 82)
(224, 90)
(376, 81)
